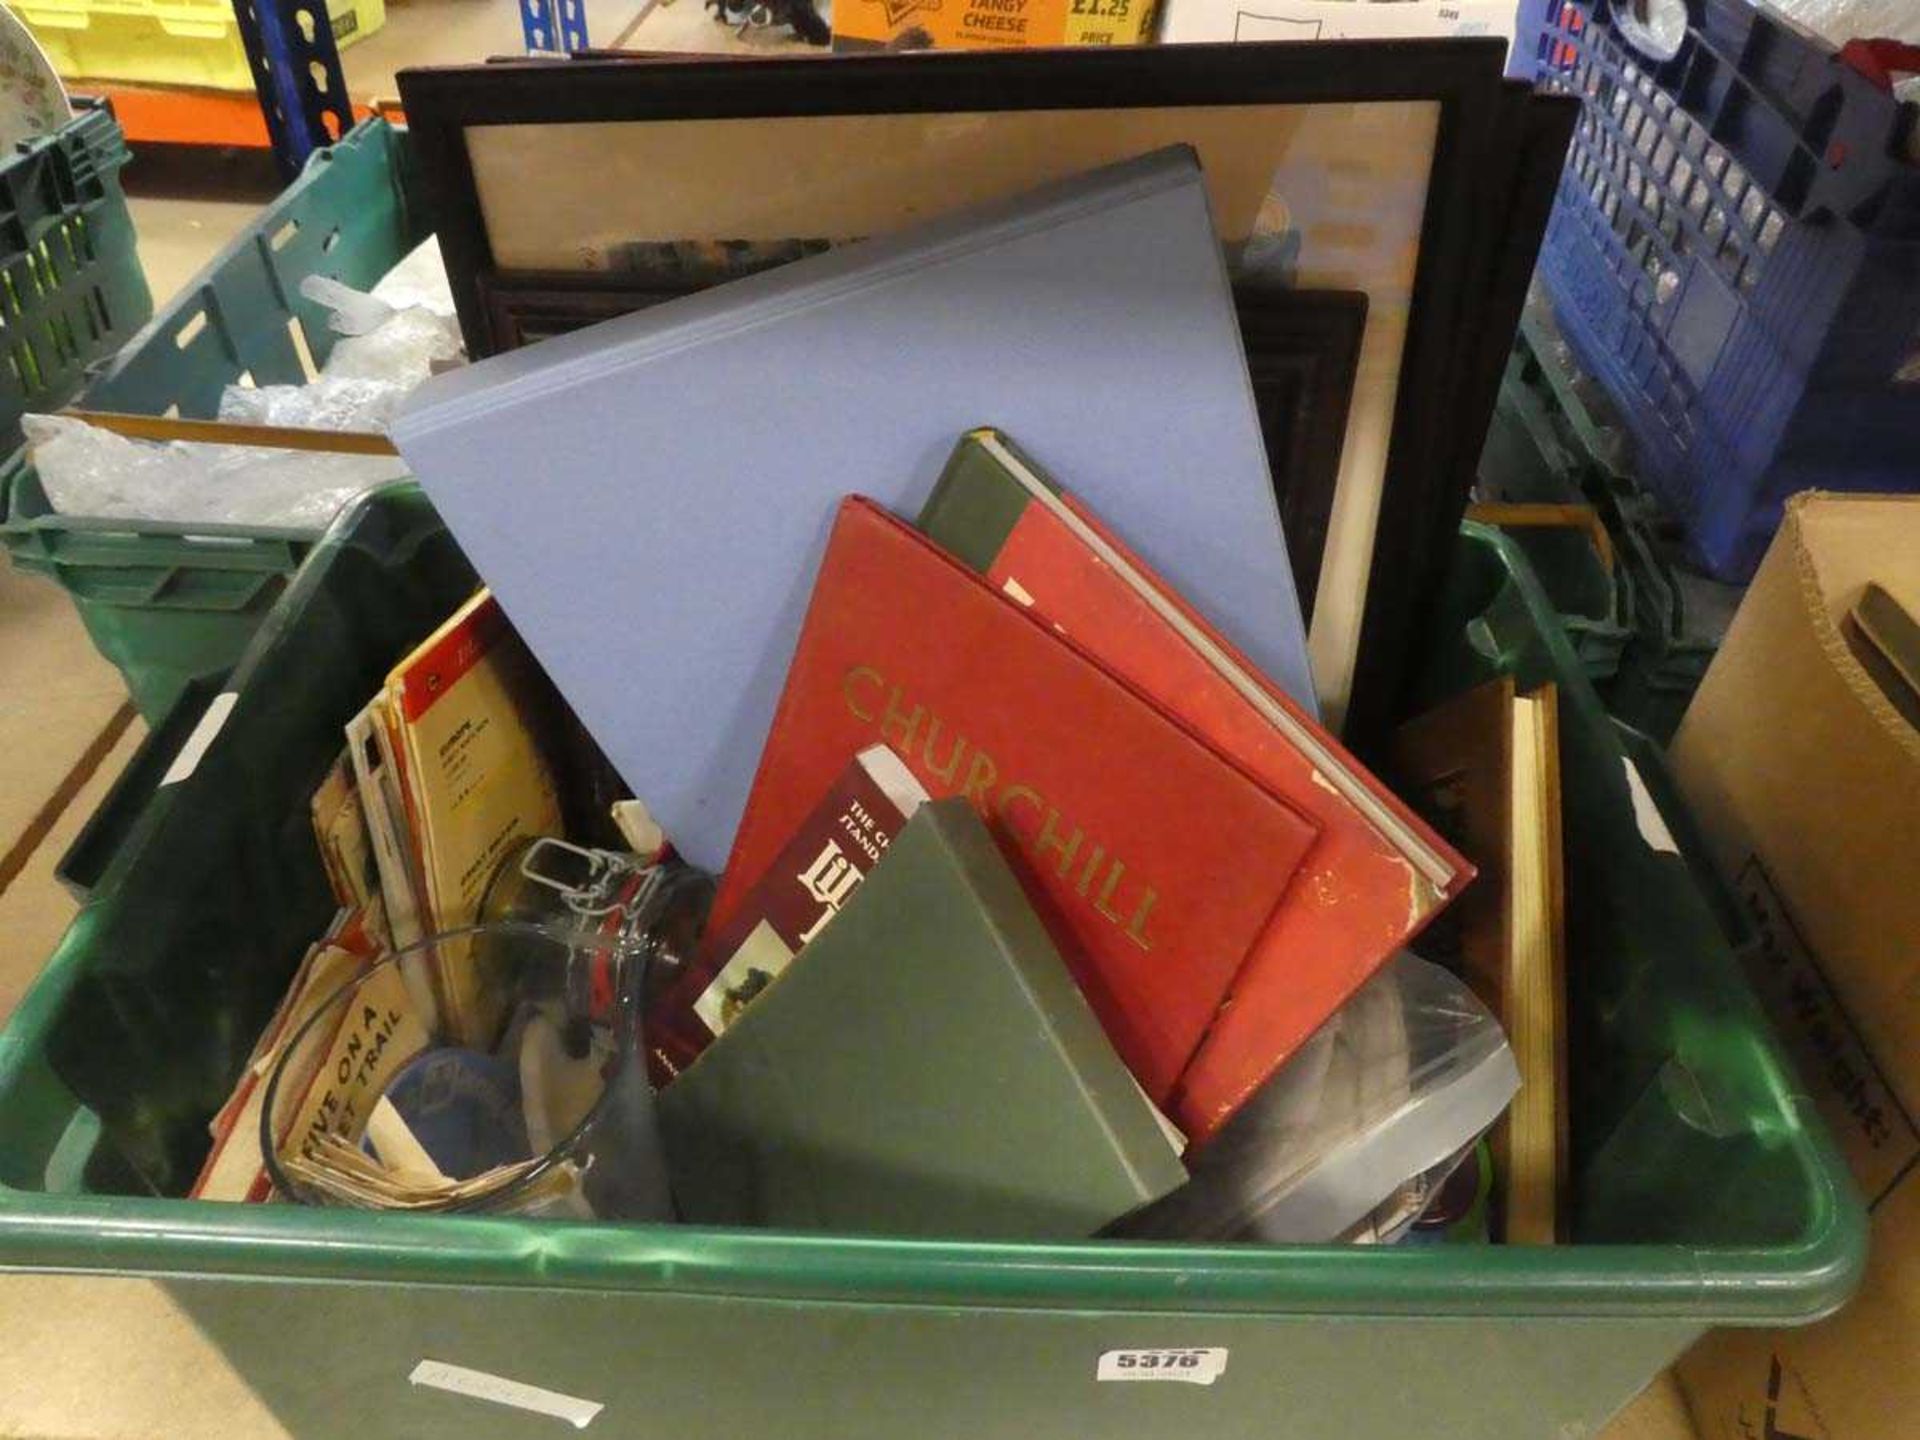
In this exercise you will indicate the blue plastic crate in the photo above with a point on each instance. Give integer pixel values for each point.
(1735, 255)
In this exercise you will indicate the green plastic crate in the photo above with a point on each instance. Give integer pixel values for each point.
(71, 286)
(1527, 460)
(1706, 1191)
(1549, 442)
(168, 603)
(1664, 1031)
(1580, 415)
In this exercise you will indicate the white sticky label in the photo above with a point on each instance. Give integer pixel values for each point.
(204, 734)
(1646, 813)
(479, 1385)
(1187, 1367)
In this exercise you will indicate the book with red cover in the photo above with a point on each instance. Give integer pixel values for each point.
(840, 841)
(1376, 875)
(1155, 861)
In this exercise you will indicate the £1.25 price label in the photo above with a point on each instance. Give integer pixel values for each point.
(1198, 1366)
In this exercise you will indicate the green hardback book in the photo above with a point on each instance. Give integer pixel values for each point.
(926, 1066)
(976, 502)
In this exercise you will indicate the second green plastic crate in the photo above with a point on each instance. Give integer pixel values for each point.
(169, 602)
(1547, 443)
(71, 286)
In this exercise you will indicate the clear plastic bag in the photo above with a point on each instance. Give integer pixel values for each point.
(324, 404)
(390, 341)
(1397, 1086)
(420, 279)
(89, 471)
(383, 353)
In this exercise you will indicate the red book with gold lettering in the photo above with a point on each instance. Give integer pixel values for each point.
(1155, 861)
(1378, 872)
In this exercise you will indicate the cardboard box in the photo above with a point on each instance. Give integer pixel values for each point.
(988, 24)
(1806, 781)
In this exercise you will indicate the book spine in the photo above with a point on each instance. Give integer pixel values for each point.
(974, 507)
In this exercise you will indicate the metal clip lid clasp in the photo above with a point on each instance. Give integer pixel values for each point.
(592, 884)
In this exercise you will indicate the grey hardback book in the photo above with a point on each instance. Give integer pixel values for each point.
(648, 498)
(926, 1066)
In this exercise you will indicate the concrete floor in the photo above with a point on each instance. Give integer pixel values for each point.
(112, 1359)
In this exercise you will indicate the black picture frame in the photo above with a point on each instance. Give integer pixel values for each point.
(1420, 500)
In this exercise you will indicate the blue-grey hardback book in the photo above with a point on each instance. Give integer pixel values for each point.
(649, 498)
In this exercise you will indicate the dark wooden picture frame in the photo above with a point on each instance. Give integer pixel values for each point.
(1421, 496)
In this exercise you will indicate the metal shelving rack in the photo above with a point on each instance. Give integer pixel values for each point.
(301, 102)
(297, 75)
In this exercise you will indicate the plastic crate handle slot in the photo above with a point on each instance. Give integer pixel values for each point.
(54, 1136)
(105, 834)
(66, 1172)
(54, 19)
(171, 587)
(1656, 28)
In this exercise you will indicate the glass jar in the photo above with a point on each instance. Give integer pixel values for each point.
(651, 916)
(374, 1102)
